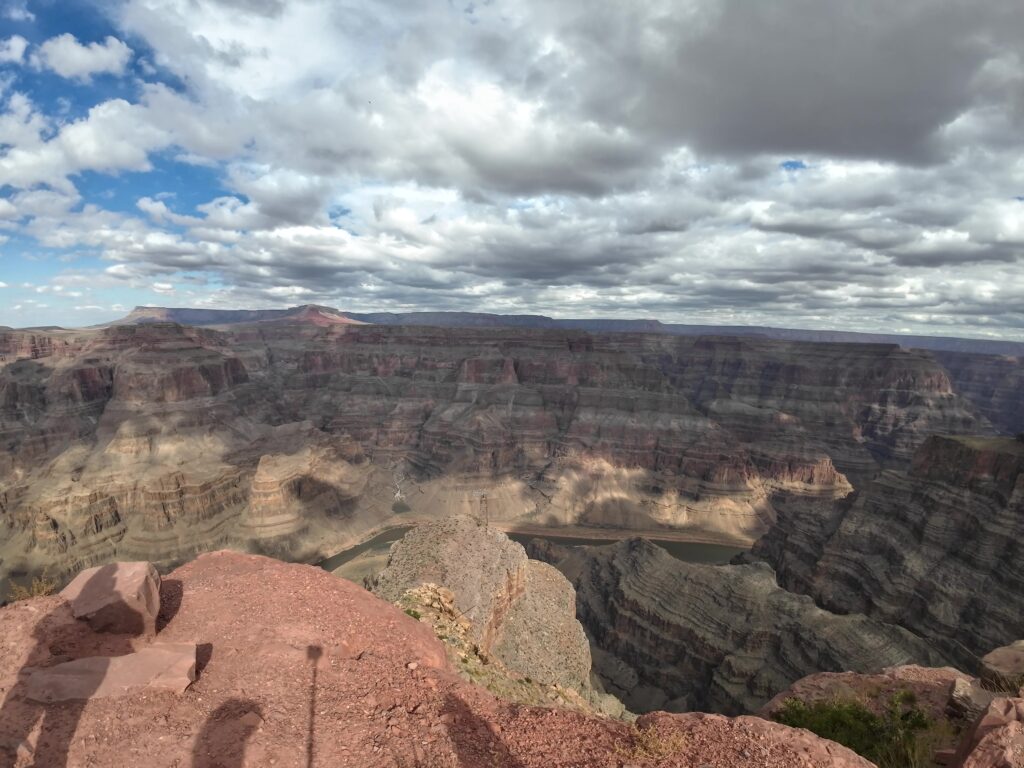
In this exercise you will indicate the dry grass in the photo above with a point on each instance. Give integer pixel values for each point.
(652, 742)
(40, 587)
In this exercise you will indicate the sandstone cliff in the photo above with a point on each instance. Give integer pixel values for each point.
(993, 383)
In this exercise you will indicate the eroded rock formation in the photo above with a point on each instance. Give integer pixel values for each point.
(520, 611)
(682, 636)
(158, 441)
(936, 549)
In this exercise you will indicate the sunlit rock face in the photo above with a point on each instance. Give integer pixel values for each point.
(296, 438)
(936, 548)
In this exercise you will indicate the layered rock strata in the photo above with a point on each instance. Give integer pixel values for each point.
(993, 383)
(935, 549)
(681, 636)
(158, 441)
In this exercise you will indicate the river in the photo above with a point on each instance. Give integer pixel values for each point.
(687, 551)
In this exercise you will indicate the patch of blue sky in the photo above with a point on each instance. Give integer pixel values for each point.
(67, 99)
(23, 260)
(793, 165)
(182, 186)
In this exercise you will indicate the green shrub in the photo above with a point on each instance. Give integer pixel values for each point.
(901, 737)
(414, 613)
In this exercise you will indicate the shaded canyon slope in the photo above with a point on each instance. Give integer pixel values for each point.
(937, 549)
(684, 636)
(298, 437)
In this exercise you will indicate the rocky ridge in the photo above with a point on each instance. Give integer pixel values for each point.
(329, 675)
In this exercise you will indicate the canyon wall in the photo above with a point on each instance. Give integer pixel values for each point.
(936, 549)
(297, 439)
(993, 383)
(682, 636)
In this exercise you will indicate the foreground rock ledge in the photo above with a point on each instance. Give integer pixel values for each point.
(279, 642)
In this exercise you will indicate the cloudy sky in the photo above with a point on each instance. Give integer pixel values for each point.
(801, 163)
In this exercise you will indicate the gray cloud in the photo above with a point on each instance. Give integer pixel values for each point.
(564, 157)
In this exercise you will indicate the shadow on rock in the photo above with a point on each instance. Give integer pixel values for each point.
(171, 593)
(59, 705)
(225, 735)
(476, 744)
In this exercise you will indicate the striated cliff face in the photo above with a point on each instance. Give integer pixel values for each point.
(160, 440)
(681, 636)
(936, 549)
(993, 383)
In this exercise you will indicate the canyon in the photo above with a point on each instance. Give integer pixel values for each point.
(876, 486)
(298, 438)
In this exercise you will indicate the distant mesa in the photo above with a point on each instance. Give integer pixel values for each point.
(307, 313)
(327, 316)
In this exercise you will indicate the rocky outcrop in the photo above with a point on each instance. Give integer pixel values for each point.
(297, 664)
(681, 636)
(123, 598)
(958, 722)
(996, 739)
(930, 689)
(933, 549)
(520, 611)
(1003, 669)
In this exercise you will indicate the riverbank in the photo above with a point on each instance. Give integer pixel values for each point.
(618, 534)
(690, 546)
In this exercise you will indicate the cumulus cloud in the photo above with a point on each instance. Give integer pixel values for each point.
(12, 49)
(834, 164)
(69, 58)
(17, 10)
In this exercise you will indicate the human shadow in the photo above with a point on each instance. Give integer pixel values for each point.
(225, 734)
(59, 702)
(313, 654)
(475, 743)
(171, 595)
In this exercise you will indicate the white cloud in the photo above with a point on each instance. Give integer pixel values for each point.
(12, 49)
(534, 156)
(17, 10)
(69, 58)
(114, 136)
(3, 285)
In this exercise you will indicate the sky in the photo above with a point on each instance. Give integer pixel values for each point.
(796, 163)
